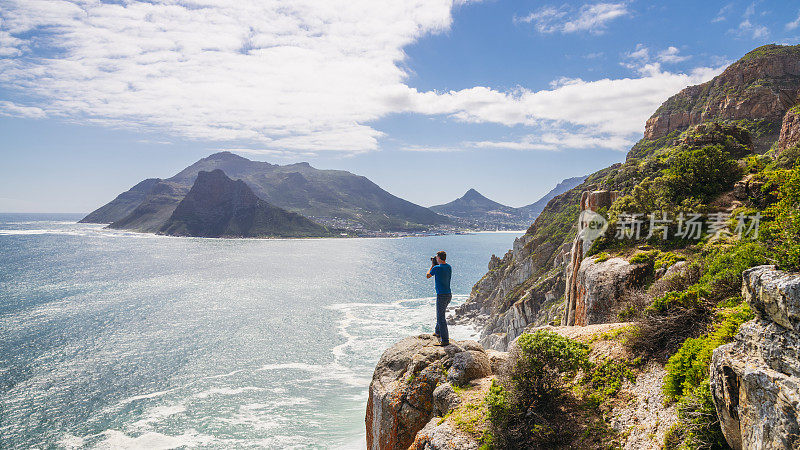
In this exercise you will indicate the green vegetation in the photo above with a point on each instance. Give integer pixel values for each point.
(687, 368)
(782, 227)
(542, 402)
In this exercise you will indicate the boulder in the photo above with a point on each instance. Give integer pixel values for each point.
(401, 395)
(445, 399)
(755, 380)
(790, 129)
(497, 360)
(598, 286)
(442, 435)
(469, 365)
(591, 201)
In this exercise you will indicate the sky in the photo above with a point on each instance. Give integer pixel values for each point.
(427, 98)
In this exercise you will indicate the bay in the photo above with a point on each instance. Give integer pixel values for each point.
(112, 339)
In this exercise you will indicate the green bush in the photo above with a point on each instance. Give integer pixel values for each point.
(687, 368)
(523, 409)
(606, 379)
(698, 425)
(782, 227)
(692, 297)
(699, 173)
(667, 259)
(687, 382)
(544, 359)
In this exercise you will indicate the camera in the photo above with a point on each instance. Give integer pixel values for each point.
(433, 261)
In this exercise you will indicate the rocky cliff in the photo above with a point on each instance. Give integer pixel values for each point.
(411, 390)
(761, 87)
(755, 380)
(217, 206)
(540, 279)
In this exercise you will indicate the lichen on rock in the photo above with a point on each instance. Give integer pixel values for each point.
(401, 395)
(755, 380)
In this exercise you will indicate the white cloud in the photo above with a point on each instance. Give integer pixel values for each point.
(558, 140)
(754, 31)
(749, 29)
(610, 108)
(303, 76)
(10, 109)
(670, 55)
(722, 15)
(793, 24)
(639, 59)
(589, 17)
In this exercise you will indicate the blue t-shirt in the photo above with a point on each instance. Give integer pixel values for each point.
(442, 273)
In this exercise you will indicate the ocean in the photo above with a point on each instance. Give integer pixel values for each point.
(113, 339)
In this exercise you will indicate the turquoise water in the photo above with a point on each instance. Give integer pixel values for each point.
(122, 340)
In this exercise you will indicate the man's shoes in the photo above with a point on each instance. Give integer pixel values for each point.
(442, 344)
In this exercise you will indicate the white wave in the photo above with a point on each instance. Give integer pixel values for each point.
(225, 391)
(115, 439)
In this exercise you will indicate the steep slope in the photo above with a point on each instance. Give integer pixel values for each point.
(217, 206)
(333, 197)
(481, 211)
(123, 205)
(532, 211)
(156, 207)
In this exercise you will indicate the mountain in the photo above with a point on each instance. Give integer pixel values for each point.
(475, 210)
(217, 206)
(532, 211)
(741, 111)
(478, 211)
(123, 205)
(331, 197)
(761, 86)
(155, 208)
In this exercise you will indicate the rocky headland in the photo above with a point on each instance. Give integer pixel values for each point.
(692, 341)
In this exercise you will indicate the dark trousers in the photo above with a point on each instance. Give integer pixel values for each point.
(442, 300)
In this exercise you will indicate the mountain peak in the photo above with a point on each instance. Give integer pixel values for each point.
(761, 86)
(225, 155)
(471, 194)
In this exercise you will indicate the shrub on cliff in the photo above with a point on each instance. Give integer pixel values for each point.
(678, 315)
(687, 382)
(524, 409)
(782, 227)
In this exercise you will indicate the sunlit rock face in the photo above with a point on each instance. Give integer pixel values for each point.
(762, 85)
(401, 395)
(755, 380)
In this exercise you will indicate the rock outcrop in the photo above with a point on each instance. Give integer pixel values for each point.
(217, 206)
(761, 86)
(410, 385)
(590, 227)
(597, 288)
(790, 129)
(755, 380)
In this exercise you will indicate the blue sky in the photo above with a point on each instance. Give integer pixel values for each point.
(506, 97)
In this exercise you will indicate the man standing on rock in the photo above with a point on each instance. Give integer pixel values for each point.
(442, 271)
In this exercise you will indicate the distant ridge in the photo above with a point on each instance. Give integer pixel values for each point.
(475, 210)
(335, 198)
(217, 206)
(532, 211)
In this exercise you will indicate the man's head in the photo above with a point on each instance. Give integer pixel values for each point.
(441, 256)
